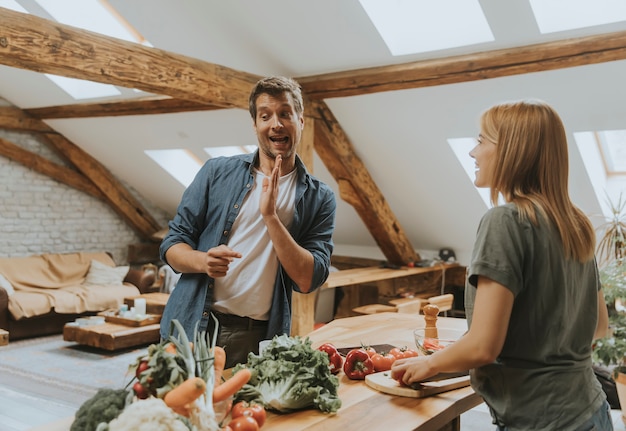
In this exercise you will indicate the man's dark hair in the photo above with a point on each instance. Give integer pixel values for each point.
(276, 86)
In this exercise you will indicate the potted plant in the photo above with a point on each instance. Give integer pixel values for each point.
(610, 351)
(612, 244)
(611, 252)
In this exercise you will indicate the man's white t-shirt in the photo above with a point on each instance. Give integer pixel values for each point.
(248, 287)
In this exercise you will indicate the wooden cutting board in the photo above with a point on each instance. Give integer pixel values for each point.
(384, 383)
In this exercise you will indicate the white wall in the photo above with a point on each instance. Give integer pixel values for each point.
(40, 215)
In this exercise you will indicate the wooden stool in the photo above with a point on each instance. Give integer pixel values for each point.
(444, 302)
(413, 305)
(408, 305)
(374, 308)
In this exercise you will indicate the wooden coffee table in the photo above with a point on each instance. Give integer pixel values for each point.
(112, 336)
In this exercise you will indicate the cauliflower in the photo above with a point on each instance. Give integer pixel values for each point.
(147, 415)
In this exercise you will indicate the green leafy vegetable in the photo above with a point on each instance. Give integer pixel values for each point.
(290, 375)
(103, 407)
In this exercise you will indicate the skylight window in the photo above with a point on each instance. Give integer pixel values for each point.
(414, 26)
(561, 15)
(230, 150)
(81, 89)
(183, 165)
(604, 155)
(180, 164)
(462, 148)
(13, 5)
(613, 149)
(92, 15)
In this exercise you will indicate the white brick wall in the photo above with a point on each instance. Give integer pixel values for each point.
(40, 215)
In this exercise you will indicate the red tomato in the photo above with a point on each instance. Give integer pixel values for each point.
(141, 392)
(383, 361)
(244, 423)
(370, 350)
(143, 366)
(410, 353)
(402, 352)
(253, 410)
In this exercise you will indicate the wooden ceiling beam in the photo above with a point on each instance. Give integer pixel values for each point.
(143, 106)
(15, 119)
(358, 188)
(40, 45)
(464, 68)
(44, 166)
(485, 65)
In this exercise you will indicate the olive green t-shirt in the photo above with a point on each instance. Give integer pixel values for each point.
(543, 378)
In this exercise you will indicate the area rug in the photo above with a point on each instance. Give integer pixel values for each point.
(65, 371)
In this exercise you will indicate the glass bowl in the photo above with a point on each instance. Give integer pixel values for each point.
(429, 345)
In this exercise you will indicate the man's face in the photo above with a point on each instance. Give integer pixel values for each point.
(278, 126)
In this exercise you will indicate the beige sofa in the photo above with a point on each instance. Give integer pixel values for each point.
(39, 294)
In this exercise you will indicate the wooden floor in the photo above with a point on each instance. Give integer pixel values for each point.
(22, 412)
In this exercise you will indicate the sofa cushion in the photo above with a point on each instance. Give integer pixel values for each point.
(100, 274)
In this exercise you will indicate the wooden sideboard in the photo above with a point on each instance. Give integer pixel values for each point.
(389, 282)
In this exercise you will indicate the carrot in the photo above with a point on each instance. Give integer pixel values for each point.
(171, 347)
(219, 362)
(185, 393)
(232, 385)
(183, 410)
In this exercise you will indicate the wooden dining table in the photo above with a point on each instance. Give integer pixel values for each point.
(368, 409)
(364, 407)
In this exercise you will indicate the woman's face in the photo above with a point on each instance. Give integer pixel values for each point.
(484, 155)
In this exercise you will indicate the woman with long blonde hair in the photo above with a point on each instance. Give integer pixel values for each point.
(533, 297)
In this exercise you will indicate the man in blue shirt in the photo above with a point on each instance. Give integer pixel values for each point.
(249, 230)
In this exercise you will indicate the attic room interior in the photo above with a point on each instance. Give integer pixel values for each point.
(387, 127)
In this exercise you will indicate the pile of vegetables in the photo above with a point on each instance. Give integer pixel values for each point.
(176, 386)
(290, 375)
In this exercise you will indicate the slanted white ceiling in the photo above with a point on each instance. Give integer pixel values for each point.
(400, 135)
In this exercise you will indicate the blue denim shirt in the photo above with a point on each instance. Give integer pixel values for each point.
(204, 219)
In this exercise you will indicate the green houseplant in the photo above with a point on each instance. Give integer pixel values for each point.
(610, 351)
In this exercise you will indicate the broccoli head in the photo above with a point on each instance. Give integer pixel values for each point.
(104, 406)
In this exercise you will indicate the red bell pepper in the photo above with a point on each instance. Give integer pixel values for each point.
(334, 358)
(358, 364)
